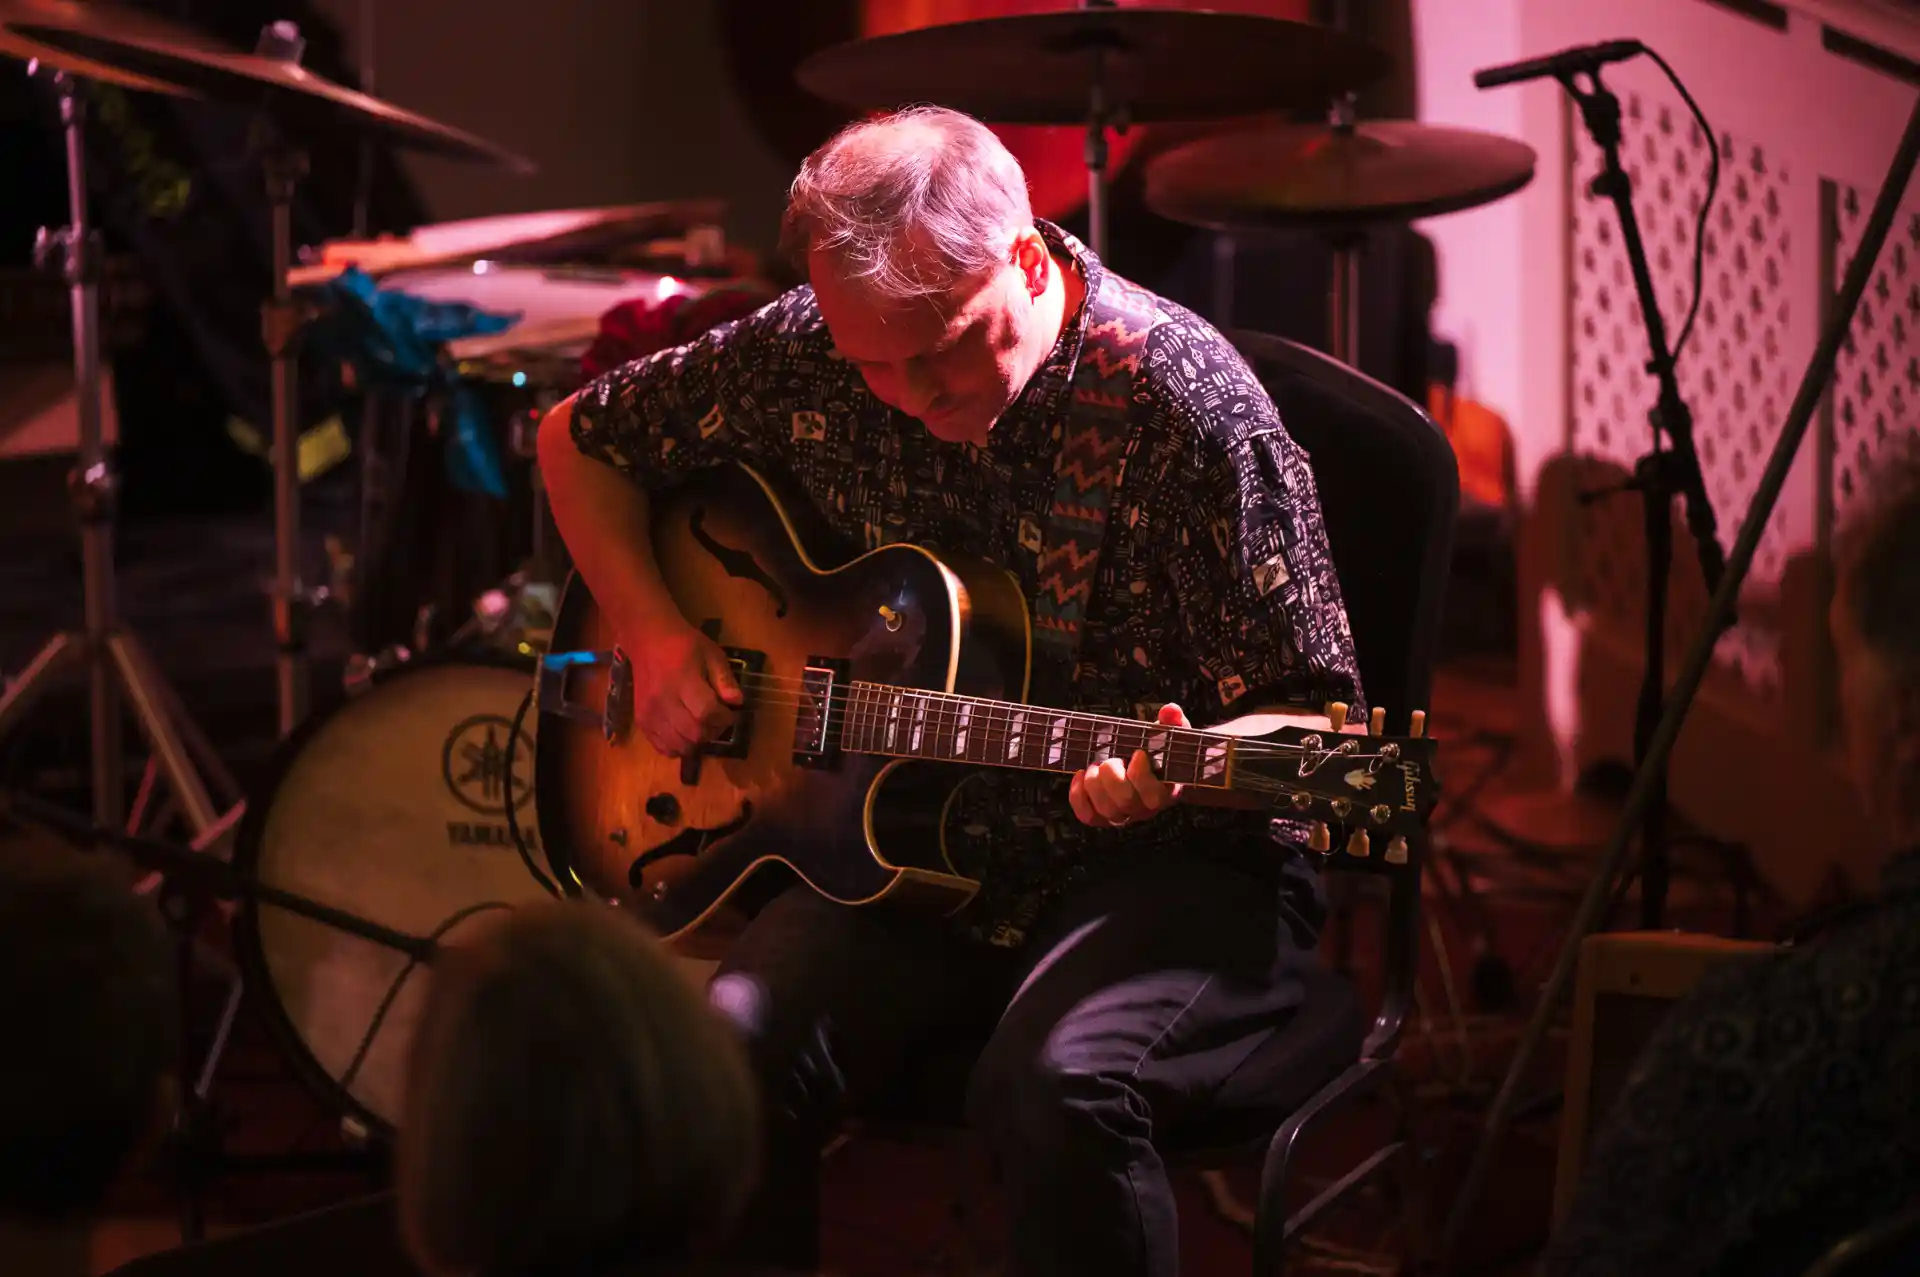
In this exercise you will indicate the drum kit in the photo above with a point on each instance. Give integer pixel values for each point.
(389, 822)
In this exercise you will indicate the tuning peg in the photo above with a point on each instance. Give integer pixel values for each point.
(1358, 847)
(1397, 850)
(1337, 715)
(1377, 724)
(1320, 840)
(1418, 727)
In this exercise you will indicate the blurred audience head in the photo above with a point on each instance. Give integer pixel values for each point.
(1876, 634)
(89, 1005)
(573, 1104)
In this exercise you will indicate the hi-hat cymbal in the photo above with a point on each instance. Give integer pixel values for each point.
(1158, 64)
(284, 91)
(1292, 176)
(15, 45)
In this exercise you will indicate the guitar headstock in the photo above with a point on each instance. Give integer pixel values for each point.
(1379, 787)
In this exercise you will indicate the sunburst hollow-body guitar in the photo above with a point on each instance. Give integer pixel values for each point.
(875, 686)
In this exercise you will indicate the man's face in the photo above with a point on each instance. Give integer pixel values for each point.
(955, 362)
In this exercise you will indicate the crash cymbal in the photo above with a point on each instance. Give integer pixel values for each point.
(1158, 64)
(1291, 176)
(15, 45)
(282, 90)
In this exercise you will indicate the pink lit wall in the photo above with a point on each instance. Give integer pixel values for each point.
(1535, 293)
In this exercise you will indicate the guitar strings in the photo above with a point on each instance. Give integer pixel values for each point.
(998, 713)
(866, 715)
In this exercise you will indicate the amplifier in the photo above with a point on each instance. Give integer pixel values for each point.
(1625, 985)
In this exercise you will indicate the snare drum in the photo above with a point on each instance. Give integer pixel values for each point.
(391, 808)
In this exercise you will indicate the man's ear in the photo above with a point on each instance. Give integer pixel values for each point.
(1031, 256)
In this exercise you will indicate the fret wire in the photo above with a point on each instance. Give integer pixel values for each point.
(872, 708)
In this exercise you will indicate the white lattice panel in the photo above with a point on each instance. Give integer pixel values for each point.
(1732, 373)
(1876, 379)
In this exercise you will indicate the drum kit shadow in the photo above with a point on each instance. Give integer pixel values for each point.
(393, 820)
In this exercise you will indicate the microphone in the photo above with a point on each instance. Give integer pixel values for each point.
(1585, 57)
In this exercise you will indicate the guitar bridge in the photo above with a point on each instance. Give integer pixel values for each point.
(554, 688)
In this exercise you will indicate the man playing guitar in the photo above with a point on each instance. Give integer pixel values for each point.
(1127, 950)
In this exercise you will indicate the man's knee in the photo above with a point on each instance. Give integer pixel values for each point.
(1035, 1099)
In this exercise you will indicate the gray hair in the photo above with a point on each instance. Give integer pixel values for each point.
(908, 203)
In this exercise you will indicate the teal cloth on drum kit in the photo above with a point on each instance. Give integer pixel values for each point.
(395, 338)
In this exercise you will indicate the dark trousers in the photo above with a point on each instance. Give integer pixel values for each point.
(1138, 998)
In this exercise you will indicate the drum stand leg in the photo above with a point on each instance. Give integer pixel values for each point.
(115, 663)
(195, 1138)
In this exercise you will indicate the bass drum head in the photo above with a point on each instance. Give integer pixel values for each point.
(391, 808)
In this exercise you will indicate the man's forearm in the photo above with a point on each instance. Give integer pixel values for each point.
(603, 516)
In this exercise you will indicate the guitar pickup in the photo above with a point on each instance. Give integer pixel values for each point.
(816, 726)
(747, 666)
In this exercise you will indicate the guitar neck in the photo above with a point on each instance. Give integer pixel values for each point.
(904, 722)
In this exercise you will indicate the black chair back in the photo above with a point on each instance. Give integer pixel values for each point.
(1389, 492)
(1389, 488)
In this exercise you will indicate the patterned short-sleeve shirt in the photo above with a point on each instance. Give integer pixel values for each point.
(1214, 589)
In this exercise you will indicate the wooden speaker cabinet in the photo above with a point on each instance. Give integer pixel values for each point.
(1626, 983)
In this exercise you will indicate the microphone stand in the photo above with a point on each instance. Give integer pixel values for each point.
(1658, 477)
(1720, 611)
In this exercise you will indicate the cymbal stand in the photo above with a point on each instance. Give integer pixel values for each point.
(1343, 298)
(1100, 117)
(116, 663)
(280, 326)
(280, 323)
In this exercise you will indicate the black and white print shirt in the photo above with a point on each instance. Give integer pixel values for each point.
(1215, 588)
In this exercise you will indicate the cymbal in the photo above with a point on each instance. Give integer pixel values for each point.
(284, 91)
(1292, 176)
(1158, 64)
(15, 45)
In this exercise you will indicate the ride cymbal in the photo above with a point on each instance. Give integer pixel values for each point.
(1150, 65)
(1289, 176)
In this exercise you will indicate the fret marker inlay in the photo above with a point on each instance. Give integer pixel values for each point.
(1016, 733)
(1057, 742)
(960, 732)
(1157, 751)
(1215, 764)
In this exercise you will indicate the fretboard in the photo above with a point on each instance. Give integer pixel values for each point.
(907, 723)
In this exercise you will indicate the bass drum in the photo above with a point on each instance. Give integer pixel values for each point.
(392, 808)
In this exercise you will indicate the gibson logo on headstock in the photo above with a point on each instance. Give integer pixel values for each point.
(1410, 780)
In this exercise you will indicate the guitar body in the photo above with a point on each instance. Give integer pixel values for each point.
(675, 840)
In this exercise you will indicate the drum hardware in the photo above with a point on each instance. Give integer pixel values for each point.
(1099, 66)
(116, 662)
(283, 93)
